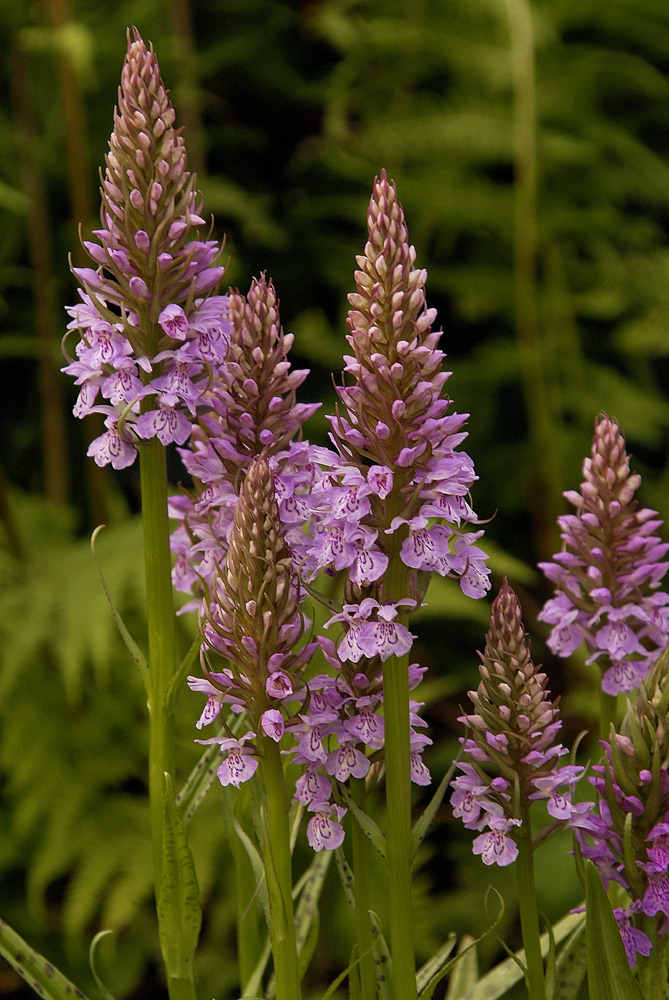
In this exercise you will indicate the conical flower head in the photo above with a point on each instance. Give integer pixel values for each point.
(396, 368)
(150, 330)
(150, 210)
(252, 617)
(252, 410)
(398, 467)
(608, 574)
(509, 754)
(514, 717)
(254, 400)
(629, 838)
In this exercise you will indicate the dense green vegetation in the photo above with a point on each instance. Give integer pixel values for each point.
(533, 168)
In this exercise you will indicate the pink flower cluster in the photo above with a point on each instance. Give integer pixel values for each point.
(151, 330)
(509, 755)
(608, 574)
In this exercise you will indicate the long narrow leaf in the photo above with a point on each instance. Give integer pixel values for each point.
(92, 962)
(380, 949)
(186, 665)
(306, 912)
(609, 974)
(571, 966)
(203, 775)
(505, 975)
(434, 965)
(198, 783)
(178, 900)
(466, 973)
(38, 973)
(131, 645)
(422, 824)
(365, 822)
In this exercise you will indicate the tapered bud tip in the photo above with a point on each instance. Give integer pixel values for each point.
(506, 615)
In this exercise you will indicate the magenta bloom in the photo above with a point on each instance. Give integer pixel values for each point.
(510, 755)
(608, 574)
(397, 444)
(324, 831)
(494, 846)
(150, 326)
(628, 836)
(239, 764)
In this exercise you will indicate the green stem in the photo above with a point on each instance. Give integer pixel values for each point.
(398, 786)
(361, 855)
(529, 915)
(608, 713)
(546, 499)
(162, 654)
(278, 872)
(161, 631)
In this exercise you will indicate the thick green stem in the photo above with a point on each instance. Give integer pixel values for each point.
(361, 852)
(162, 639)
(529, 915)
(608, 709)
(162, 654)
(278, 872)
(398, 788)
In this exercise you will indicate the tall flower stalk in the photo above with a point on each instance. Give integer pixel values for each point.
(608, 574)
(393, 505)
(628, 836)
(150, 331)
(252, 619)
(510, 759)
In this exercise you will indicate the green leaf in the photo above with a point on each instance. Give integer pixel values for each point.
(38, 973)
(203, 775)
(466, 972)
(443, 968)
(434, 965)
(256, 864)
(178, 904)
(91, 961)
(422, 824)
(365, 822)
(504, 976)
(186, 665)
(130, 643)
(198, 783)
(307, 919)
(380, 949)
(571, 966)
(609, 974)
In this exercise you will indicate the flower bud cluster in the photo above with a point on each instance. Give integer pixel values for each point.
(395, 470)
(252, 409)
(253, 620)
(509, 755)
(396, 467)
(628, 838)
(608, 573)
(151, 328)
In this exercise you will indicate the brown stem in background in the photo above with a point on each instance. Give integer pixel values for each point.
(52, 420)
(544, 489)
(190, 110)
(77, 162)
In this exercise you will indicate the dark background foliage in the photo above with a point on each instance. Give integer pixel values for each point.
(534, 175)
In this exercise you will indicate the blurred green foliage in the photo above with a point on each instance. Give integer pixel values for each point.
(290, 109)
